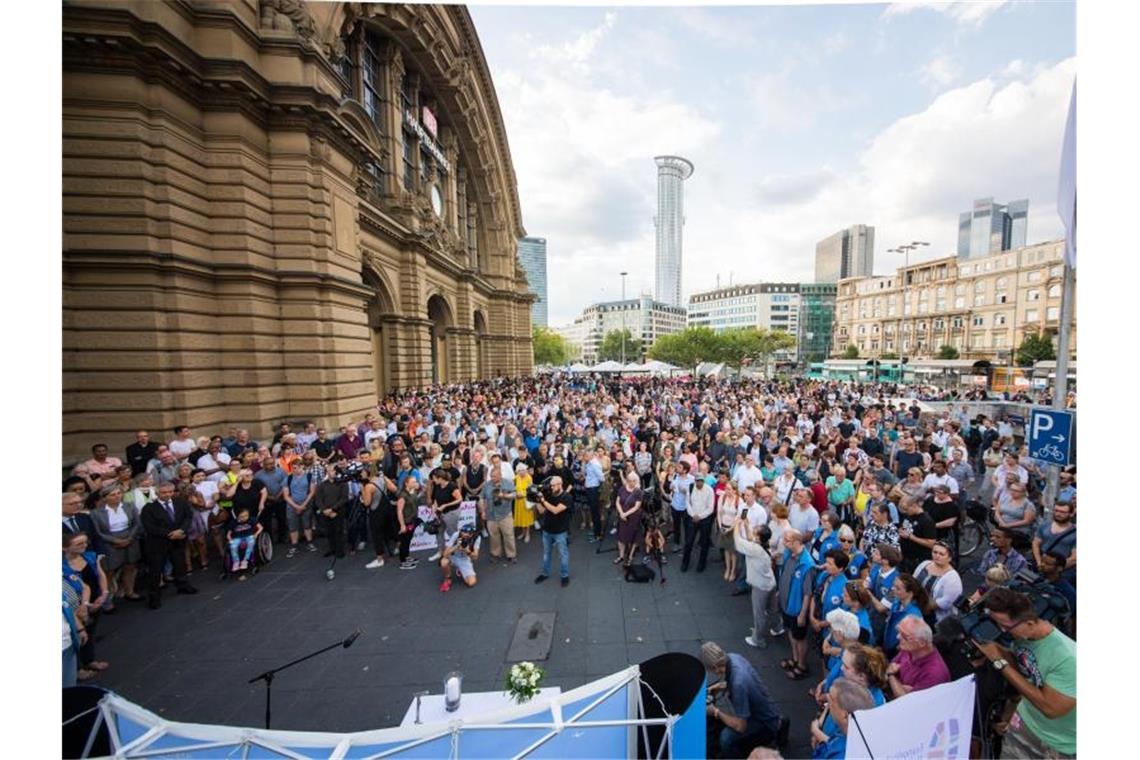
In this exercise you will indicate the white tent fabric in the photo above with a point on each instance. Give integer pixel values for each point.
(604, 718)
(579, 367)
(633, 368)
(659, 367)
(609, 366)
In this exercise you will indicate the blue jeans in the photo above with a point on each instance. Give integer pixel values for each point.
(559, 540)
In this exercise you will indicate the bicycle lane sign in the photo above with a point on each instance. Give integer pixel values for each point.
(1050, 435)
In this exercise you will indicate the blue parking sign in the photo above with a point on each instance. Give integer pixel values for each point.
(1050, 435)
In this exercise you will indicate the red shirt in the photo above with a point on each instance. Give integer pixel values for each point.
(819, 498)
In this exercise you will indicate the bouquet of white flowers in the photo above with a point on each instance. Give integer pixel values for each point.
(523, 681)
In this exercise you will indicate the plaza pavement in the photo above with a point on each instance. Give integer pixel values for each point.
(190, 660)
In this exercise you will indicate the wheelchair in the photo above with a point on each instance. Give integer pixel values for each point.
(262, 555)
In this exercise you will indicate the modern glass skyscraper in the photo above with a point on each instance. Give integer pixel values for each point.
(532, 256)
(817, 313)
(847, 253)
(671, 172)
(992, 227)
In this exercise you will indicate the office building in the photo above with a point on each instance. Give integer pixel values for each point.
(672, 171)
(847, 253)
(982, 307)
(532, 256)
(817, 315)
(279, 211)
(644, 317)
(992, 227)
(766, 305)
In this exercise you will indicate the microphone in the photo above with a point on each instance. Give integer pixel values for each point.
(355, 635)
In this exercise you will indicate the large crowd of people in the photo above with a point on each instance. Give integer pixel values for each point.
(835, 506)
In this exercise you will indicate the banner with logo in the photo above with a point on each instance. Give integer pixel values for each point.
(932, 724)
(423, 541)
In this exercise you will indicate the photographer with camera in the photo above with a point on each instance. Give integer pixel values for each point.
(460, 551)
(1042, 668)
(554, 506)
(497, 505)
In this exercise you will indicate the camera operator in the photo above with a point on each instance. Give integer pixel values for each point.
(460, 551)
(1042, 667)
(752, 717)
(555, 510)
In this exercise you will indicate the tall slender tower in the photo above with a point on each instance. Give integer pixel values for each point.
(671, 172)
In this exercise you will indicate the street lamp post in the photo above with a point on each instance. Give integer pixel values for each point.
(904, 249)
(623, 310)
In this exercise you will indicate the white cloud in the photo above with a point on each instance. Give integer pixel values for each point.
(911, 181)
(940, 71)
(966, 13)
(583, 155)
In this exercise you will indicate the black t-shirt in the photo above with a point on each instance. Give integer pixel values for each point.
(138, 456)
(939, 512)
(324, 448)
(557, 523)
(923, 527)
(248, 498)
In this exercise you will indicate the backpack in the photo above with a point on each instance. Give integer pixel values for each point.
(639, 574)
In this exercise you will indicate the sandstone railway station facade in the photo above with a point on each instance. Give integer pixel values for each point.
(279, 210)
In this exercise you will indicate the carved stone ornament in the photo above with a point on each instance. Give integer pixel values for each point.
(288, 16)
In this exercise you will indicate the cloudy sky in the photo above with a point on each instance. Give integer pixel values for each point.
(800, 120)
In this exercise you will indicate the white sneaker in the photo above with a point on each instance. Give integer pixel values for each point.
(435, 557)
(375, 564)
(756, 643)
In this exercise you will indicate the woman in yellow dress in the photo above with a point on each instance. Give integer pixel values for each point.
(524, 518)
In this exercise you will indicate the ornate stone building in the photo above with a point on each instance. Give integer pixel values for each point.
(982, 307)
(278, 210)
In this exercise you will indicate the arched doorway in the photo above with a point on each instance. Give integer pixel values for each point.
(439, 313)
(380, 309)
(480, 323)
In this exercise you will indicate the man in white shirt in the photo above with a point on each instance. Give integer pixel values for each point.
(698, 519)
(939, 477)
(757, 513)
(802, 515)
(748, 475)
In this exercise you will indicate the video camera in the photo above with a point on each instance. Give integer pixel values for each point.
(540, 491)
(352, 472)
(974, 624)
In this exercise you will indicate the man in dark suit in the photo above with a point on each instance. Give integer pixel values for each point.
(141, 452)
(77, 521)
(165, 524)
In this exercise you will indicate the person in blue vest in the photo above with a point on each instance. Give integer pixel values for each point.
(828, 590)
(844, 698)
(910, 600)
(795, 590)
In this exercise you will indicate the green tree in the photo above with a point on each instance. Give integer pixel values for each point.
(851, 352)
(889, 355)
(947, 352)
(1035, 347)
(688, 348)
(611, 346)
(549, 347)
(752, 345)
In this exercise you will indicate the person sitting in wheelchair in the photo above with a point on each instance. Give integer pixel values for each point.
(241, 536)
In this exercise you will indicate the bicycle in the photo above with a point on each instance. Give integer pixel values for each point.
(973, 528)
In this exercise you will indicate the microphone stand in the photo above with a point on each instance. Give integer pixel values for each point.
(268, 675)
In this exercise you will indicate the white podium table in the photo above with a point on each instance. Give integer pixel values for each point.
(471, 705)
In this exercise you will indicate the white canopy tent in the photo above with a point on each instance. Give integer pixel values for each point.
(578, 367)
(609, 366)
